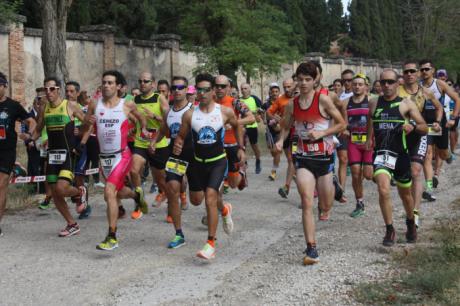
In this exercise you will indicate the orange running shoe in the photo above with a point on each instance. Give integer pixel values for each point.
(169, 219)
(160, 198)
(136, 214)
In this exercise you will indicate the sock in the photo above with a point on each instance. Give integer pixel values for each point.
(287, 186)
(311, 245)
(211, 241)
(179, 233)
(47, 199)
(390, 227)
(113, 233)
(225, 211)
(429, 185)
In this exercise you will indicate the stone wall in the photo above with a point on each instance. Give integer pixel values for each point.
(96, 49)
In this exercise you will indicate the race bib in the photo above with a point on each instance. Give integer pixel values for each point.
(358, 138)
(385, 158)
(432, 132)
(151, 134)
(176, 166)
(2, 132)
(106, 163)
(57, 157)
(314, 149)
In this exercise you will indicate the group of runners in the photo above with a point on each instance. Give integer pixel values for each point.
(194, 136)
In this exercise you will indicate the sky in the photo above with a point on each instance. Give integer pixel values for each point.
(345, 5)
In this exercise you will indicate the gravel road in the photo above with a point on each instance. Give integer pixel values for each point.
(261, 263)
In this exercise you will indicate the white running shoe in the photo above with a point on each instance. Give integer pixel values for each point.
(208, 252)
(227, 223)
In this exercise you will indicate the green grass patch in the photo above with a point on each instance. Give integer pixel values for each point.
(429, 273)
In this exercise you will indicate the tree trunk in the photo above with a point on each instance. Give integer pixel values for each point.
(54, 23)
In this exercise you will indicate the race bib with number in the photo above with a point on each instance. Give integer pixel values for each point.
(386, 159)
(57, 157)
(2, 132)
(176, 166)
(151, 135)
(106, 163)
(432, 132)
(317, 148)
(358, 138)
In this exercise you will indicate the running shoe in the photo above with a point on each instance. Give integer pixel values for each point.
(411, 234)
(435, 181)
(153, 188)
(86, 213)
(207, 252)
(416, 218)
(45, 204)
(272, 175)
(70, 230)
(109, 244)
(338, 189)
(311, 256)
(183, 201)
(159, 199)
(389, 239)
(99, 185)
(283, 192)
(392, 182)
(428, 196)
(244, 180)
(227, 222)
(204, 220)
(1, 233)
(226, 188)
(359, 210)
(323, 215)
(121, 212)
(140, 200)
(82, 203)
(450, 159)
(177, 242)
(169, 219)
(136, 214)
(258, 167)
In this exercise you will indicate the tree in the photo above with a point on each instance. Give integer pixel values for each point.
(336, 21)
(8, 10)
(54, 22)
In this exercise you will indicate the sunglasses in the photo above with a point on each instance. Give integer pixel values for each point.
(51, 88)
(389, 82)
(144, 81)
(347, 80)
(108, 82)
(425, 69)
(220, 86)
(202, 90)
(410, 71)
(178, 87)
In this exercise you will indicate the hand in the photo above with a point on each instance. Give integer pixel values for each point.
(149, 113)
(92, 119)
(152, 147)
(315, 135)
(279, 146)
(450, 123)
(228, 126)
(45, 144)
(277, 117)
(132, 132)
(272, 122)
(368, 144)
(80, 148)
(24, 136)
(242, 157)
(30, 143)
(345, 133)
(177, 148)
(436, 127)
(408, 128)
(146, 134)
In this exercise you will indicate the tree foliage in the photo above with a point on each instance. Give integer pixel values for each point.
(8, 10)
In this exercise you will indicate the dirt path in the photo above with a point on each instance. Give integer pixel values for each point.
(259, 264)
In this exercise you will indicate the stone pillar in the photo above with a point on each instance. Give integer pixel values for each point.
(16, 59)
(107, 33)
(171, 42)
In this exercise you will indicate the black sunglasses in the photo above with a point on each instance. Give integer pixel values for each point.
(410, 71)
(144, 81)
(347, 80)
(178, 87)
(202, 90)
(389, 82)
(220, 86)
(425, 69)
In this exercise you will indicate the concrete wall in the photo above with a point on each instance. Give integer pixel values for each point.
(4, 67)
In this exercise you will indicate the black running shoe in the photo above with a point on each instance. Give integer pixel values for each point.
(338, 189)
(411, 234)
(311, 256)
(389, 239)
(435, 182)
(428, 196)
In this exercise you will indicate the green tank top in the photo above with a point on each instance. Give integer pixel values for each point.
(251, 104)
(59, 127)
(152, 103)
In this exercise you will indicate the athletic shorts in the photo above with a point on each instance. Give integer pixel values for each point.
(81, 160)
(441, 142)
(232, 158)
(115, 167)
(318, 167)
(455, 126)
(157, 160)
(343, 145)
(253, 135)
(357, 154)
(63, 170)
(402, 172)
(417, 151)
(7, 160)
(207, 175)
(271, 138)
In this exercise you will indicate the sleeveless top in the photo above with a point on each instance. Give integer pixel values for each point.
(59, 127)
(387, 123)
(112, 127)
(208, 134)
(252, 105)
(152, 103)
(174, 122)
(305, 121)
(357, 120)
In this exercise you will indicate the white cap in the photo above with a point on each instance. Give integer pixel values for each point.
(274, 84)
